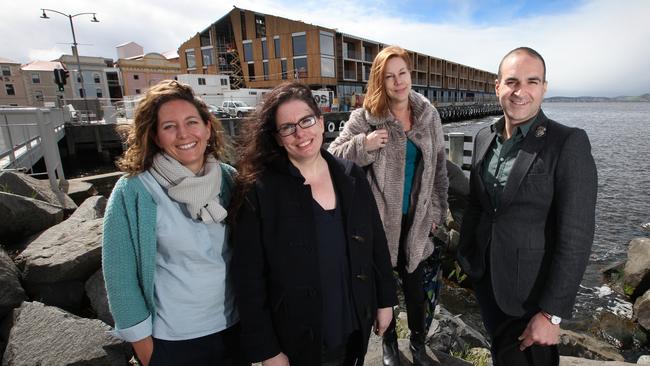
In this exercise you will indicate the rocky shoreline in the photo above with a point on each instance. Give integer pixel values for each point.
(53, 308)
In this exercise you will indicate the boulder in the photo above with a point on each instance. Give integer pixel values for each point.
(450, 334)
(23, 216)
(643, 360)
(637, 268)
(373, 356)
(642, 310)
(96, 292)
(585, 346)
(575, 361)
(24, 185)
(619, 330)
(57, 263)
(79, 191)
(45, 335)
(11, 292)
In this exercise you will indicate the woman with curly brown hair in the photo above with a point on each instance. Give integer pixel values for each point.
(166, 249)
(312, 271)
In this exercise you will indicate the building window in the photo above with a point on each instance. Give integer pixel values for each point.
(299, 43)
(136, 77)
(242, 19)
(276, 46)
(6, 70)
(79, 78)
(205, 39)
(283, 64)
(9, 88)
(260, 26)
(224, 82)
(81, 93)
(251, 72)
(190, 59)
(99, 93)
(36, 78)
(97, 78)
(327, 68)
(137, 91)
(300, 67)
(265, 50)
(248, 50)
(206, 55)
(326, 44)
(38, 94)
(201, 81)
(265, 66)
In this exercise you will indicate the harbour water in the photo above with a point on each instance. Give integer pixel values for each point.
(619, 135)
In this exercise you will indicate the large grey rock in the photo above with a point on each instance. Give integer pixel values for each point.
(585, 346)
(575, 361)
(11, 292)
(24, 185)
(637, 268)
(619, 331)
(45, 335)
(64, 256)
(449, 333)
(23, 216)
(96, 292)
(642, 310)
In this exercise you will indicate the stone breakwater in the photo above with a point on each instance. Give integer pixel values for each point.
(53, 307)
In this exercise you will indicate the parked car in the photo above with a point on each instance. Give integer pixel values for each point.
(237, 108)
(218, 112)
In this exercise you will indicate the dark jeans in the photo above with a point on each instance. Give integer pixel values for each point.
(348, 354)
(414, 296)
(218, 349)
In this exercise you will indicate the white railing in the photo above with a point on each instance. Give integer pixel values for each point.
(28, 134)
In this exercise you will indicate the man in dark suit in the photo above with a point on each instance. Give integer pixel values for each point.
(528, 229)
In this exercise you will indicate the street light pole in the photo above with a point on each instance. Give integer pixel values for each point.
(75, 51)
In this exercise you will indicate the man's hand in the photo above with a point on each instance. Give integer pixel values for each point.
(143, 350)
(279, 360)
(539, 331)
(384, 317)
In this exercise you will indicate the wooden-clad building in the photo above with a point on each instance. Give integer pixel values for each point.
(260, 51)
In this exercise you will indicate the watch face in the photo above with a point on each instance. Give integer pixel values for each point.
(555, 319)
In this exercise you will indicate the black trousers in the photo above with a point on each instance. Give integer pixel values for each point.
(349, 354)
(218, 349)
(412, 285)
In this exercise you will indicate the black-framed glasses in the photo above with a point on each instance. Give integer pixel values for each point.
(289, 129)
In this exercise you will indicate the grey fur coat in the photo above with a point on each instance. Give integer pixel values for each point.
(386, 174)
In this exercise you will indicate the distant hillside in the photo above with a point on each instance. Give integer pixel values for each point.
(640, 98)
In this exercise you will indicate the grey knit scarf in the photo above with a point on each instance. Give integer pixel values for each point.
(199, 193)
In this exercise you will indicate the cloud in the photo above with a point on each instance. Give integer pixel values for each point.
(598, 47)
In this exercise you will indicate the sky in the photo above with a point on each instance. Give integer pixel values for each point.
(591, 47)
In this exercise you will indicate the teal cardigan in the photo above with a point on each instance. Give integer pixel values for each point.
(129, 248)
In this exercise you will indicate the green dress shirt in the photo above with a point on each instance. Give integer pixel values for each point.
(500, 158)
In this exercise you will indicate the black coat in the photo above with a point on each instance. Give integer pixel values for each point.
(540, 236)
(276, 266)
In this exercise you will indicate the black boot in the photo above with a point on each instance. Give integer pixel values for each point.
(389, 347)
(419, 350)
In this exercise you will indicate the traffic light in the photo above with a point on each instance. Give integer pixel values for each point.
(60, 76)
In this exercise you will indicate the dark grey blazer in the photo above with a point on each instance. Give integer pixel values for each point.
(539, 239)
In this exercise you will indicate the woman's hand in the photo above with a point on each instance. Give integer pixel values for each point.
(376, 139)
(279, 360)
(384, 317)
(143, 350)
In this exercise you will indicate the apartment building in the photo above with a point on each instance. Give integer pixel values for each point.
(95, 71)
(259, 51)
(12, 86)
(38, 78)
(141, 72)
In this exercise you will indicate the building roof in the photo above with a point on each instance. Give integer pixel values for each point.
(8, 61)
(42, 66)
(170, 54)
(128, 43)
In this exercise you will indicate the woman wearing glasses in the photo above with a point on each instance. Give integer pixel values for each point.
(312, 270)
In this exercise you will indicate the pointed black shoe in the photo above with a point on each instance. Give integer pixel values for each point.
(390, 351)
(419, 350)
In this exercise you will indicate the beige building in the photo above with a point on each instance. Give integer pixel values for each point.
(12, 86)
(141, 72)
(41, 90)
